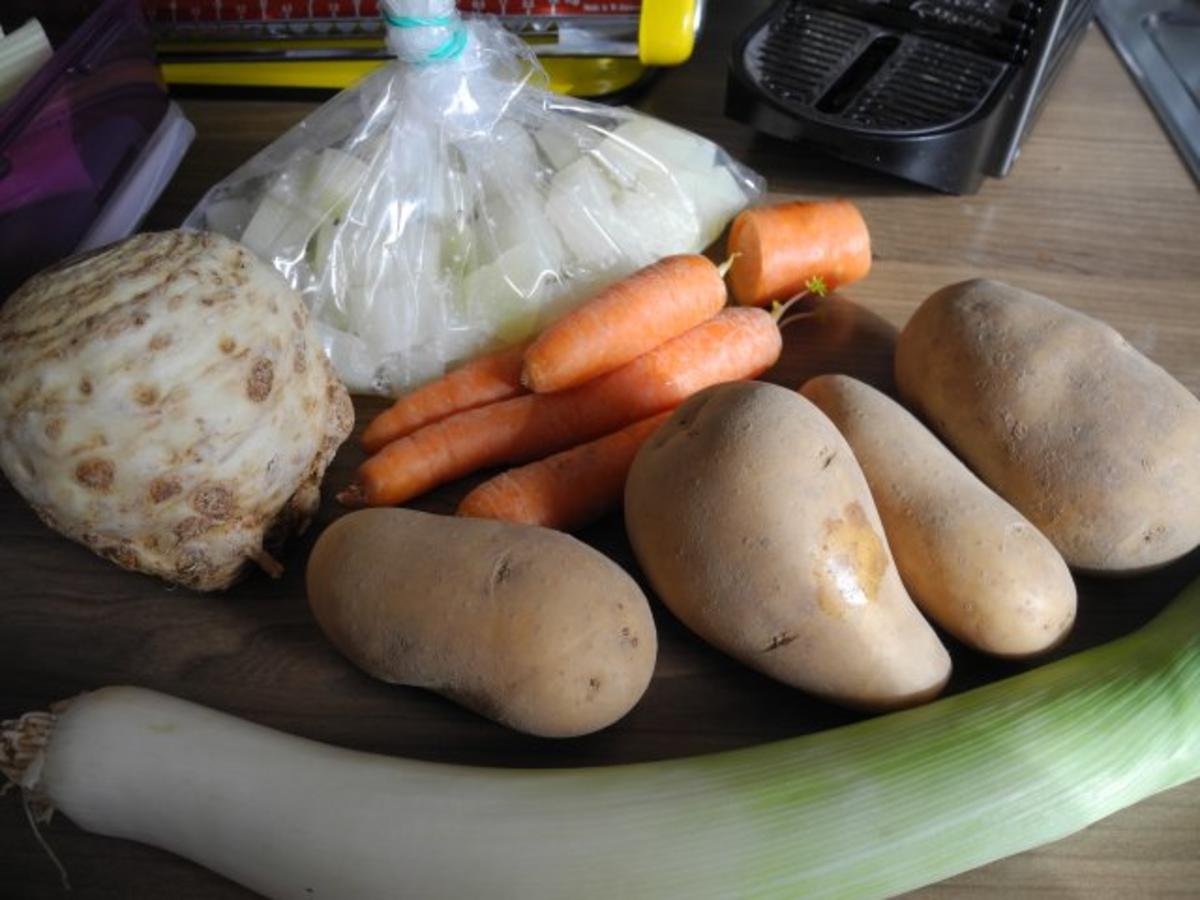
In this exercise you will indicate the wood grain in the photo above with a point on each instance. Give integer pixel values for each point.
(1099, 212)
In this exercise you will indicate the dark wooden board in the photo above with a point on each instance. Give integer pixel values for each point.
(1098, 212)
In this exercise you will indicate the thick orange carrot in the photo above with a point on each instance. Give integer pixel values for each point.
(487, 379)
(777, 250)
(734, 344)
(567, 490)
(624, 321)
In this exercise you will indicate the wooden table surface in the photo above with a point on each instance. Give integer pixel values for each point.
(1099, 213)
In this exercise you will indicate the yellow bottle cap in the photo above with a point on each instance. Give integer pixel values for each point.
(667, 31)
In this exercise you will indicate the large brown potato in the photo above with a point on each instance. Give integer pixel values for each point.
(1091, 441)
(524, 625)
(972, 563)
(755, 526)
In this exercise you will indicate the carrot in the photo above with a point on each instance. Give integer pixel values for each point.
(567, 490)
(778, 251)
(736, 343)
(484, 380)
(624, 321)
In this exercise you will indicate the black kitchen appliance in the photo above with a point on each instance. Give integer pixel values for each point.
(940, 92)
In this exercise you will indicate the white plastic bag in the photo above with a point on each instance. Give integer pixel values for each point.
(449, 204)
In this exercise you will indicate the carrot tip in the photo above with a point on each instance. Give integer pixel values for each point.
(353, 496)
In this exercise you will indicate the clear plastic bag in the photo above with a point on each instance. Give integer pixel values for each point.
(449, 204)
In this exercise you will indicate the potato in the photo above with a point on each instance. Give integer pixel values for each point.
(754, 524)
(972, 563)
(1095, 444)
(524, 625)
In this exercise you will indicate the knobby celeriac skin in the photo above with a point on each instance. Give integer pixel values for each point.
(165, 402)
(869, 810)
(971, 562)
(1091, 441)
(525, 625)
(753, 522)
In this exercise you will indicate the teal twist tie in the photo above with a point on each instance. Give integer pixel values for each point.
(453, 45)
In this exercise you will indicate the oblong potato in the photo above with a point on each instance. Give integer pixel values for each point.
(755, 526)
(527, 626)
(1095, 444)
(971, 562)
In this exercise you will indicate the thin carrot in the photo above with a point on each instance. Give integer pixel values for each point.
(567, 490)
(484, 380)
(624, 321)
(780, 249)
(734, 344)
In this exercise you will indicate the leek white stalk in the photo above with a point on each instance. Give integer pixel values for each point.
(867, 810)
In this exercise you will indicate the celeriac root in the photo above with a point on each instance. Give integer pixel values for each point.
(22, 751)
(267, 562)
(21, 744)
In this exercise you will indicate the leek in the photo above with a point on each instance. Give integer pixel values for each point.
(22, 53)
(871, 809)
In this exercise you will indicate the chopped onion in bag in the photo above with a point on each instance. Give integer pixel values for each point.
(449, 204)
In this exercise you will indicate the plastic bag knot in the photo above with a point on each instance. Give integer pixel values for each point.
(423, 38)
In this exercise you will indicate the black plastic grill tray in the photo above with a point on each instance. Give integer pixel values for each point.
(937, 91)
